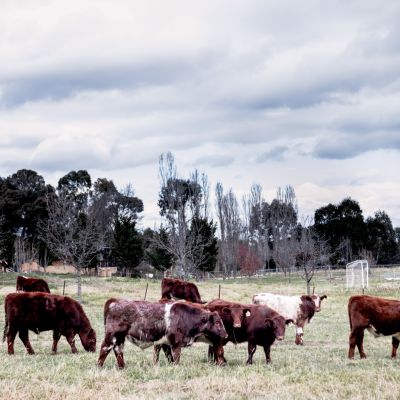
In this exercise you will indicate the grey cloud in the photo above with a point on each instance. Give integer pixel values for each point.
(60, 83)
(275, 154)
(343, 146)
(215, 161)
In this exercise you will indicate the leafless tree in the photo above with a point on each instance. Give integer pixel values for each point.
(230, 226)
(283, 222)
(24, 252)
(75, 235)
(181, 202)
(311, 252)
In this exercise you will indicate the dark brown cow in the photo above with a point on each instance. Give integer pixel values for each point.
(300, 309)
(145, 324)
(25, 284)
(178, 289)
(381, 317)
(40, 312)
(255, 324)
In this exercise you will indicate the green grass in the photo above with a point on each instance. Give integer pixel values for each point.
(318, 370)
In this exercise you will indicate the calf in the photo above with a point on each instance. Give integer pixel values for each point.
(255, 324)
(178, 289)
(40, 312)
(25, 284)
(381, 317)
(233, 316)
(145, 324)
(300, 309)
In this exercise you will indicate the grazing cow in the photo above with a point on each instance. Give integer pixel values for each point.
(298, 308)
(145, 324)
(25, 284)
(40, 312)
(381, 317)
(178, 289)
(254, 324)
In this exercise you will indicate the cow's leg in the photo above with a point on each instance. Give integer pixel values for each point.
(156, 353)
(176, 353)
(360, 345)
(299, 334)
(267, 351)
(251, 350)
(56, 338)
(105, 349)
(356, 338)
(219, 355)
(23, 335)
(70, 336)
(395, 345)
(211, 354)
(167, 352)
(11, 333)
(119, 352)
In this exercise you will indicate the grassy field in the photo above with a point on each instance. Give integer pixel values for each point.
(318, 370)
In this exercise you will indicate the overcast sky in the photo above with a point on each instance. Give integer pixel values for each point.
(271, 92)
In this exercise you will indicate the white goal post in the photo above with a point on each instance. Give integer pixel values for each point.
(357, 274)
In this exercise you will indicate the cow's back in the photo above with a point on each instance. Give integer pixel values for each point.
(287, 306)
(383, 314)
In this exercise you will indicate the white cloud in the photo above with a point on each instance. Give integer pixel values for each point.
(310, 89)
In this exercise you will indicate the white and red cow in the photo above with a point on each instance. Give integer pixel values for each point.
(298, 308)
(146, 324)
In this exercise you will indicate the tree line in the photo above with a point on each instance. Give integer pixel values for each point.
(87, 224)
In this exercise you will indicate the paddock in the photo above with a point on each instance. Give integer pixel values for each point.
(319, 369)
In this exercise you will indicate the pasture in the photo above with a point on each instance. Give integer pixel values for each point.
(318, 370)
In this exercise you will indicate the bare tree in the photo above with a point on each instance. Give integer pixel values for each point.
(74, 233)
(230, 228)
(283, 222)
(181, 202)
(24, 252)
(311, 252)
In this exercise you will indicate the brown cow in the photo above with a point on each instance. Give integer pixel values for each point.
(300, 309)
(178, 289)
(40, 312)
(381, 317)
(255, 324)
(145, 324)
(25, 284)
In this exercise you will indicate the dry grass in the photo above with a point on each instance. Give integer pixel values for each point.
(318, 370)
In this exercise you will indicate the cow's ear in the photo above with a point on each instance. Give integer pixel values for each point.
(50, 304)
(246, 312)
(324, 296)
(226, 310)
(289, 321)
(269, 323)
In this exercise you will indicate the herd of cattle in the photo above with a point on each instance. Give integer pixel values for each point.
(181, 318)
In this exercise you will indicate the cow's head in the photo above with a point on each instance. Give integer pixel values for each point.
(213, 325)
(88, 339)
(278, 324)
(236, 315)
(317, 299)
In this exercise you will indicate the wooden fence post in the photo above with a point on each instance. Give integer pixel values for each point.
(145, 293)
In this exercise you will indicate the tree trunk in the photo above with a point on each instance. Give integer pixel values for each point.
(79, 284)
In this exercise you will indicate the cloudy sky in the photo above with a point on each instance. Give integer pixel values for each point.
(271, 92)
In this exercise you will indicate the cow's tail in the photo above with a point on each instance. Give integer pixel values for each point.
(348, 310)
(107, 308)
(5, 328)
